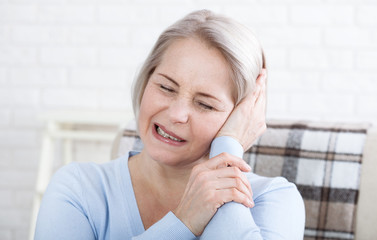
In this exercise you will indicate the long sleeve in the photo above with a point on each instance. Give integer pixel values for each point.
(226, 144)
(278, 211)
(93, 201)
(167, 228)
(62, 213)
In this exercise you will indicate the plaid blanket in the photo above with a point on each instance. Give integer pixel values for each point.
(322, 159)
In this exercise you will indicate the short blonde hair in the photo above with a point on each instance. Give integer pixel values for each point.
(238, 44)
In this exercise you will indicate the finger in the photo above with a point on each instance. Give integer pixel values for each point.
(232, 173)
(253, 96)
(262, 94)
(261, 80)
(239, 182)
(222, 160)
(225, 160)
(262, 77)
(232, 194)
(256, 94)
(229, 183)
(249, 98)
(261, 100)
(262, 88)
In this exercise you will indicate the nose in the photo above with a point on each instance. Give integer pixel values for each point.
(179, 111)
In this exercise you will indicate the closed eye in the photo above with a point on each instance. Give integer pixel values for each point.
(205, 106)
(166, 88)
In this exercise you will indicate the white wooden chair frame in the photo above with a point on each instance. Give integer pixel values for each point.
(61, 126)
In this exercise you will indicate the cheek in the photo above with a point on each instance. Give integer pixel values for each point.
(210, 126)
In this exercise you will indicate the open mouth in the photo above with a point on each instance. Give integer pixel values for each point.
(166, 135)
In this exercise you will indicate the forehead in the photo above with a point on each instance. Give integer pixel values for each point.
(194, 61)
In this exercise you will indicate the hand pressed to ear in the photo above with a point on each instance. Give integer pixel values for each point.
(247, 121)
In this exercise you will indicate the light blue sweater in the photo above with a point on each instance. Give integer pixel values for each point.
(96, 201)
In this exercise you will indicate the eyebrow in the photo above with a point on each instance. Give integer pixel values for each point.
(200, 93)
(169, 78)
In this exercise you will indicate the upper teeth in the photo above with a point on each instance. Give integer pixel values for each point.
(165, 135)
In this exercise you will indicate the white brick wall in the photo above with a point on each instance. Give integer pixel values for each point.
(83, 55)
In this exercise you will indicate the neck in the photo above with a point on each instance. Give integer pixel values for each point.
(163, 180)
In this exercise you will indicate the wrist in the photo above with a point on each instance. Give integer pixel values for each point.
(226, 144)
(179, 215)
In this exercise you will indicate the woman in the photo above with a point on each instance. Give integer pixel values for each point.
(199, 101)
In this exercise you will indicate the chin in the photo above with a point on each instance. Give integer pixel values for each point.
(174, 159)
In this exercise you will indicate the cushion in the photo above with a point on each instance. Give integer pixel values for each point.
(322, 159)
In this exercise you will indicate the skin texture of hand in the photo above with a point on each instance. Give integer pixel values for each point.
(247, 121)
(212, 183)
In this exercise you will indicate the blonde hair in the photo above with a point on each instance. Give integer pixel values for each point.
(238, 44)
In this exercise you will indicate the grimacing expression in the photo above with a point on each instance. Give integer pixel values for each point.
(186, 101)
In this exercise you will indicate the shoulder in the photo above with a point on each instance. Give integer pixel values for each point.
(87, 184)
(88, 173)
(84, 195)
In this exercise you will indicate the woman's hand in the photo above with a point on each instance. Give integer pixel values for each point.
(247, 122)
(212, 183)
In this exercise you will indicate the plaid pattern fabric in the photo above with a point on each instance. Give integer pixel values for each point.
(322, 159)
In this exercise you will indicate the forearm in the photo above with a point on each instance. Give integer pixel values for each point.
(232, 220)
(279, 212)
(168, 228)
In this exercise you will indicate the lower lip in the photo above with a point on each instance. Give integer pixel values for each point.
(166, 140)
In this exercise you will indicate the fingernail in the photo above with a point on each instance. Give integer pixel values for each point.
(251, 203)
(248, 167)
(263, 78)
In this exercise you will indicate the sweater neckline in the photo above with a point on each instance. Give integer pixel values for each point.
(136, 222)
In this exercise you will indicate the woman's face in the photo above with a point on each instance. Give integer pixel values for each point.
(186, 101)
